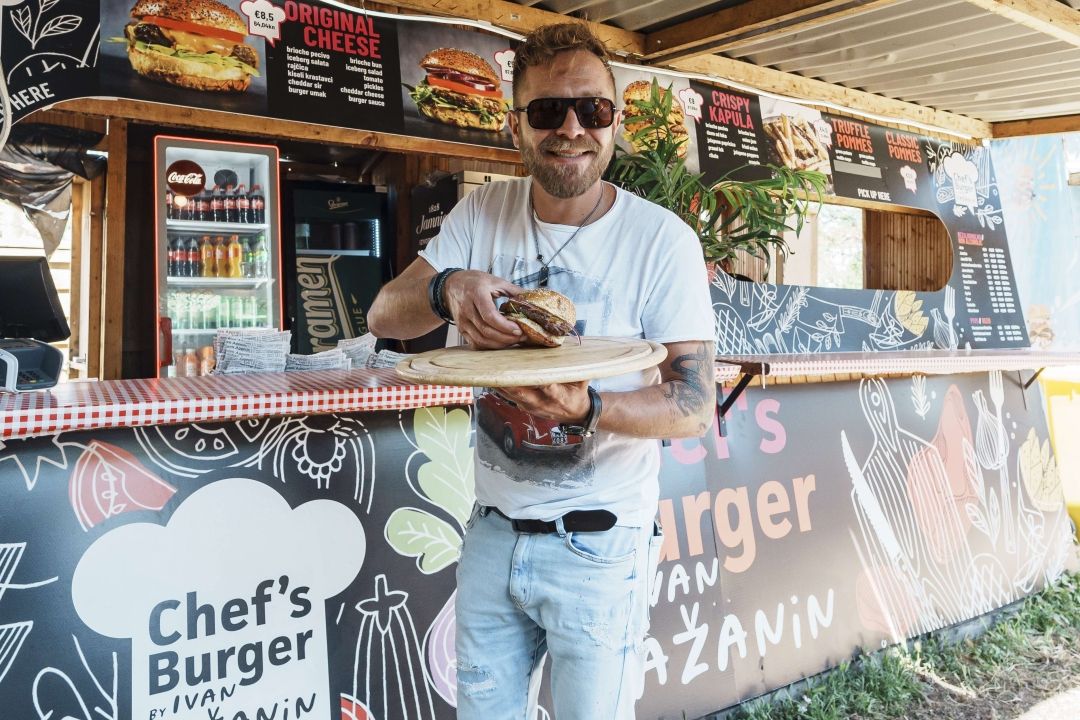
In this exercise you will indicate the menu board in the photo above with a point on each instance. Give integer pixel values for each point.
(858, 155)
(729, 134)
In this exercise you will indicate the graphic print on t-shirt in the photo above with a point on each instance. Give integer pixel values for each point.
(517, 444)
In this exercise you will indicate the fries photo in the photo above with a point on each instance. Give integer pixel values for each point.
(797, 144)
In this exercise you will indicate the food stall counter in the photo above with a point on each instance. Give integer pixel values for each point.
(133, 403)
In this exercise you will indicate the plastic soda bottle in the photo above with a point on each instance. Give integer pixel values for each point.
(206, 255)
(221, 260)
(260, 259)
(236, 257)
(224, 317)
(249, 258)
(250, 311)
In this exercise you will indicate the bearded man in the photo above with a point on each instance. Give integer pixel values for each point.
(561, 549)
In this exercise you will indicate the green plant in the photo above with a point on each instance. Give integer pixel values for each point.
(729, 215)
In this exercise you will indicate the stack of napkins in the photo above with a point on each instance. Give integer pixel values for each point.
(326, 360)
(251, 351)
(361, 351)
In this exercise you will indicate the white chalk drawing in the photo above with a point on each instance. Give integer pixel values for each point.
(389, 675)
(38, 29)
(968, 168)
(320, 448)
(945, 335)
(108, 480)
(189, 449)
(786, 319)
(918, 395)
(923, 507)
(441, 652)
(47, 699)
(22, 452)
(13, 635)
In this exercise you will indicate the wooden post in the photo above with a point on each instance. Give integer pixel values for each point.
(112, 318)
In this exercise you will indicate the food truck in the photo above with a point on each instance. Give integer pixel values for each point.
(176, 542)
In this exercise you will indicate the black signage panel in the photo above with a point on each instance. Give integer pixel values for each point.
(729, 133)
(858, 155)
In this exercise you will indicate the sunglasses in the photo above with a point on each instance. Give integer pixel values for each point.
(549, 113)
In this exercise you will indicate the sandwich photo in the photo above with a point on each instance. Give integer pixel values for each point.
(194, 44)
(640, 113)
(796, 143)
(460, 89)
(545, 316)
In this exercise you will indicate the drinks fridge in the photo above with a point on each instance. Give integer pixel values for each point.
(336, 258)
(218, 246)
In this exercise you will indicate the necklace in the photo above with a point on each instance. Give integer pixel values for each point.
(544, 271)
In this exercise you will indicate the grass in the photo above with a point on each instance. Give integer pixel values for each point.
(1025, 658)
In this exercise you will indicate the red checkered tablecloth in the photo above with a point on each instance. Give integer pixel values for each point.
(165, 401)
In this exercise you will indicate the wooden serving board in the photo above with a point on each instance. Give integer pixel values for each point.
(596, 357)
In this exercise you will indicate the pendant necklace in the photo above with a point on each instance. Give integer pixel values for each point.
(544, 272)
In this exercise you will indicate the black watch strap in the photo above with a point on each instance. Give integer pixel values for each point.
(435, 294)
(596, 406)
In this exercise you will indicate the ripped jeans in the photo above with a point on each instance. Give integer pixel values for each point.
(580, 597)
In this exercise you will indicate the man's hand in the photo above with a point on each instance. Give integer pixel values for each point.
(563, 402)
(470, 297)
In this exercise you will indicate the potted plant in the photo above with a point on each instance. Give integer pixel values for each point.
(728, 215)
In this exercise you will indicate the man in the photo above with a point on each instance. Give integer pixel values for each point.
(559, 554)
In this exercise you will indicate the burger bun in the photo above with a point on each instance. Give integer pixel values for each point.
(187, 73)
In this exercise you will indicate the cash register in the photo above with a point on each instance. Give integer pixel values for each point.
(30, 318)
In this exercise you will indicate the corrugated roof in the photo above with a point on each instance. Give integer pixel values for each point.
(951, 55)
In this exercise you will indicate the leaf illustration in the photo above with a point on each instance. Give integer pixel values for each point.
(46, 5)
(918, 395)
(23, 21)
(447, 479)
(433, 542)
(977, 519)
(60, 25)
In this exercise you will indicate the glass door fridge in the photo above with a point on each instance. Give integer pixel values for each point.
(218, 246)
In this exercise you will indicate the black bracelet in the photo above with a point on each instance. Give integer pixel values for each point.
(595, 408)
(435, 294)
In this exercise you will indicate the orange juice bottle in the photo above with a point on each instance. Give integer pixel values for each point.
(221, 260)
(236, 257)
(206, 254)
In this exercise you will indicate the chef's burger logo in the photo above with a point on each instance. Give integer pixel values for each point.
(195, 44)
(185, 177)
(460, 89)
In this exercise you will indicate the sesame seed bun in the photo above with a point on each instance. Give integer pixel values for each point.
(460, 61)
(209, 13)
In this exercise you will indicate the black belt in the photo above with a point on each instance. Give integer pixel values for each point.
(574, 521)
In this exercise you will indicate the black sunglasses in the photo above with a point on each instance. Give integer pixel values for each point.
(549, 113)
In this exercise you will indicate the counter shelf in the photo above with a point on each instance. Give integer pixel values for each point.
(213, 398)
(846, 366)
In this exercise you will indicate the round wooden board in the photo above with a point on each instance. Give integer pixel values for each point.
(596, 357)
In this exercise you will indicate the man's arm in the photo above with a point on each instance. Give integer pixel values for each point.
(402, 309)
(682, 405)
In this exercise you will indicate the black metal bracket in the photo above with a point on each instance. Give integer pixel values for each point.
(749, 371)
(1033, 378)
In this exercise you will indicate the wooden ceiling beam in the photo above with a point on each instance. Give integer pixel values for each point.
(795, 86)
(1038, 126)
(519, 18)
(751, 21)
(1046, 16)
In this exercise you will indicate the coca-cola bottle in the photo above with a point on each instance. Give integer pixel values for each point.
(194, 266)
(230, 204)
(169, 210)
(217, 205)
(243, 205)
(258, 205)
(202, 206)
(173, 258)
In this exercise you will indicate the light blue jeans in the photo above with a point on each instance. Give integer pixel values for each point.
(583, 598)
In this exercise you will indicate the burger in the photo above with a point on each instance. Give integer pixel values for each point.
(195, 44)
(545, 316)
(460, 89)
(638, 116)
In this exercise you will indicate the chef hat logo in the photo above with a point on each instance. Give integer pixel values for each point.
(221, 542)
(959, 167)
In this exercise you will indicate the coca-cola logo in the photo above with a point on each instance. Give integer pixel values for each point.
(185, 177)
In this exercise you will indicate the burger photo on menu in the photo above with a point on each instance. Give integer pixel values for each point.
(453, 85)
(461, 89)
(187, 52)
(639, 92)
(799, 138)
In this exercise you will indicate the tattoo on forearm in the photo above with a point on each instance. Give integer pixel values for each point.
(689, 391)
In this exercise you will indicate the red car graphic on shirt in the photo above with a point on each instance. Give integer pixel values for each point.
(516, 430)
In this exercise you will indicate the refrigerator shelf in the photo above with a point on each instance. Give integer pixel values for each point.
(220, 228)
(308, 251)
(218, 282)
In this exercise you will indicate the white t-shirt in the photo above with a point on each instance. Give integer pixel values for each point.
(636, 272)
